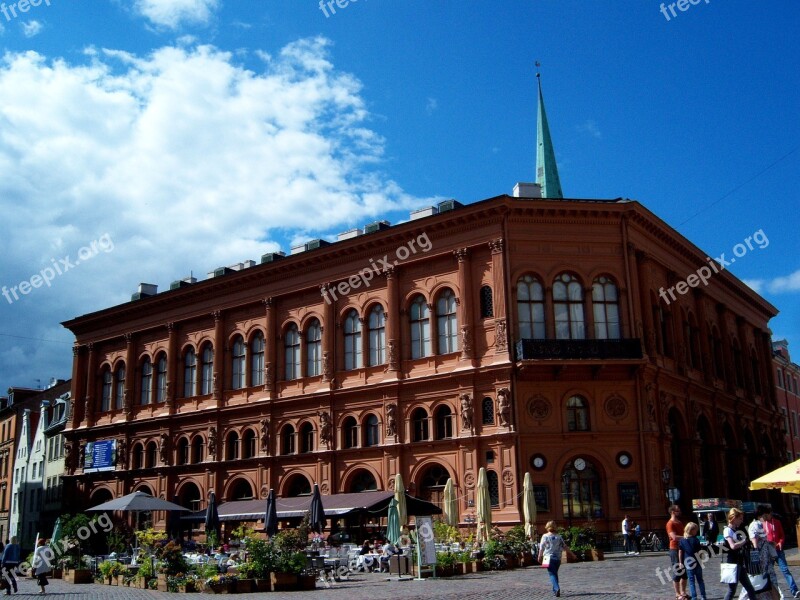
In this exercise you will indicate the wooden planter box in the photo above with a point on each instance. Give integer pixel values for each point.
(570, 557)
(191, 588)
(79, 576)
(597, 554)
(526, 559)
(448, 571)
(466, 568)
(161, 586)
(511, 561)
(263, 585)
(56, 574)
(283, 582)
(245, 586)
(221, 588)
(306, 582)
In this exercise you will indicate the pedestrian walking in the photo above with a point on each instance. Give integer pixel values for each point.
(626, 535)
(41, 564)
(675, 533)
(637, 535)
(10, 562)
(736, 543)
(688, 548)
(775, 535)
(551, 545)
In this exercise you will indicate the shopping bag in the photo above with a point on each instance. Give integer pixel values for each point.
(760, 582)
(728, 573)
(546, 562)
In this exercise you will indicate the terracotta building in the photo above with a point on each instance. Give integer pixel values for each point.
(517, 333)
(787, 378)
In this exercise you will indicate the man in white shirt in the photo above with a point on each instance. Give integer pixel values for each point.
(626, 535)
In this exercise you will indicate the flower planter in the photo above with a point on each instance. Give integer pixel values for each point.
(445, 571)
(79, 576)
(191, 587)
(526, 559)
(511, 561)
(466, 568)
(57, 574)
(162, 582)
(477, 566)
(217, 588)
(245, 586)
(597, 554)
(283, 582)
(263, 585)
(306, 582)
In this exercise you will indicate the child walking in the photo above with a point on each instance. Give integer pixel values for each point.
(550, 547)
(688, 548)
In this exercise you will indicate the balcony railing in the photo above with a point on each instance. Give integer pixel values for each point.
(579, 349)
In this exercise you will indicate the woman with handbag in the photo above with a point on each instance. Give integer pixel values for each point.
(41, 564)
(550, 547)
(733, 570)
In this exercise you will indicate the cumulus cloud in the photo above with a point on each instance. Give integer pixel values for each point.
(778, 285)
(174, 13)
(31, 28)
(186, 159)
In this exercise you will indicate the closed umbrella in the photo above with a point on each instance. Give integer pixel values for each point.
(484, 506)
(529, 506)
(56, 534)
(271, 516)
(393, 532)
(450, 504)
(317, 520)
(212, 517)
(400, 496)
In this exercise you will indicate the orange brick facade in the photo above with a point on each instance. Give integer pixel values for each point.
(595, 418)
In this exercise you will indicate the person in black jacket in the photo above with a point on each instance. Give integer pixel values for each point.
(711, 532)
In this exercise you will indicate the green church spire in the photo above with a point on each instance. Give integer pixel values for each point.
(546, 168)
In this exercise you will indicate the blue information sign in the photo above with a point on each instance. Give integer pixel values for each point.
(100, 456)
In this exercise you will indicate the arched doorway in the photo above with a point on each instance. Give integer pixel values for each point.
(431, 484)
(581, 490)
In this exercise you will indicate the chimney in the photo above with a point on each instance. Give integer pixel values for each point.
(145, 291)
(527, 190)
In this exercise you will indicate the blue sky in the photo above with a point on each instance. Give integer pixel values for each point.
(182, 135)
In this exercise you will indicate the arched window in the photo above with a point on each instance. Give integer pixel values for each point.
(232, 446)
(487, 303)
(197, 449)
(377, 336)
(151, 457)
(780, 378)
(530, 308)
(306, 438)
(352, 341)
(119, 391)
(419, 422)
(108, 384)
(605, 304)
(372, 433)
(291, 346)
(432, 482)
(662, 318)
(447, 322)
(420, 328)
(161, 379)
(756, 372)
(580, 490)
(190, 496)
(444, 422)
(577, 414)
(494, 488)
(249, 444)
(287, 440)
(487, 407)
(314, 349)
(716, 352)
(138, 456)
(182, 457)
(568, 308)
(208, 369)
(298, 486)
(189, 373)
(242, 490)
(363, 482)
(691, 334)
(147, 382)
(237, 363)
(257, 359)
(350, 432)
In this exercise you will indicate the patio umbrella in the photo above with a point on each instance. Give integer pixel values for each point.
(484, 506)
(136, 502)
(786, 479)
(529, 506)
(56, 534)
(400, 496)
(393, 532)
(450, 504)
(212, 516)
(271, 516)
(317, 520)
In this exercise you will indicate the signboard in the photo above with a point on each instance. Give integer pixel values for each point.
(715, 504)
(427, 548)
(100, 456)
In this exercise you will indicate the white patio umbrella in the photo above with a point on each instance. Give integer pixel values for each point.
(450, 504)
(400, 496)
(484, 506)
(529, 506)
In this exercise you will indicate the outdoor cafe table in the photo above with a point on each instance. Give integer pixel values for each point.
(368, 561)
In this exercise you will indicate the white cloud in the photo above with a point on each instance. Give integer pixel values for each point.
(31, 28)
(778, 285)
(174, 13)
(590, 126)
(185, 158)
(431, 105)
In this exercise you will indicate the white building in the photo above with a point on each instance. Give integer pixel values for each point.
(27, 485)
(55, 419)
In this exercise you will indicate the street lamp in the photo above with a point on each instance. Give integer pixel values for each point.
(666, 475)
(565, 479)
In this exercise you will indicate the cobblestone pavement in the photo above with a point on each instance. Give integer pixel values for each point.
(618, 577)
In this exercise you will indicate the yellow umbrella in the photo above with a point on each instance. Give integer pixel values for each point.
(529, 506)
(450, 504)
(786, 479)
(400, 496)
(484, 506)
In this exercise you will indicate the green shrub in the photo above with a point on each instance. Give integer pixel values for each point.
(445, 559)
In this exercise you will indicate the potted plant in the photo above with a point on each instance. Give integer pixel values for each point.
(221, 584)
(445, 564)
(75, 570)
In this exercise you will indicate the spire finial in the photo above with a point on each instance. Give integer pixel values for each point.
(546, 167)
(538, 64)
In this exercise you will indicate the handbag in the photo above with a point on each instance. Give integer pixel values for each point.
(728, 573)
(546, 561)
(760, 583)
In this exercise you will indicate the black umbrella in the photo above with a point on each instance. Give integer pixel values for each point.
(317, 511)
(174, 522)
(271, 516)
(212, 517)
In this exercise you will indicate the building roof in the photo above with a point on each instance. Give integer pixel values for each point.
(546, 167)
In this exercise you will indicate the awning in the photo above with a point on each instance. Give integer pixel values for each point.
(337, 505)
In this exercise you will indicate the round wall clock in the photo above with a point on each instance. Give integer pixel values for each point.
(538, 462)
(624, 460)
(580, 464)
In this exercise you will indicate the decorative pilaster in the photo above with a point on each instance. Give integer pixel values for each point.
(130, 377)
(172, 367)
(219, 357)
(392, 319)
(270, 351)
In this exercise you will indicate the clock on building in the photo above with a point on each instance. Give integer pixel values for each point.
(624, 460)
(580, 464)
(538, 462)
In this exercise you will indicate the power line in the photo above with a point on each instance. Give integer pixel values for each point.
(21, 337)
